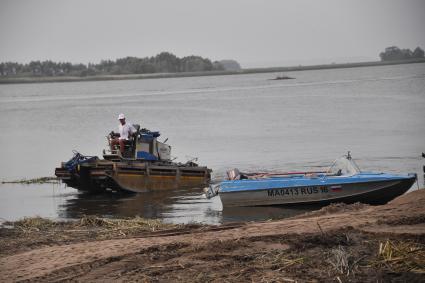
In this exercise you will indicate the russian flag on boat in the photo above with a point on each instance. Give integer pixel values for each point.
(336, 188)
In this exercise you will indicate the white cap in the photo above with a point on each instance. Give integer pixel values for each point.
(121, 116)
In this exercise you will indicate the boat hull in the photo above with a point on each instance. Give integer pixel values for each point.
(134, 177)
(319, 191)
(145, 177)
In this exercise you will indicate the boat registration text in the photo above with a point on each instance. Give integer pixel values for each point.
(297, 191)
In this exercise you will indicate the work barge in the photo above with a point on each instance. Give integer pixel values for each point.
(145, 165)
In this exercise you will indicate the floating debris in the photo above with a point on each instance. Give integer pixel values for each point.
(41, 180)
(282, 77)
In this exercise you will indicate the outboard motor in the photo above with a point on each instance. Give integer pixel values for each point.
(211, 191)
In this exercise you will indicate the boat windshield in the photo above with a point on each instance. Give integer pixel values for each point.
(344, 166)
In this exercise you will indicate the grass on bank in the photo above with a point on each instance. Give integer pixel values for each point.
(401, 256)
(37, 224)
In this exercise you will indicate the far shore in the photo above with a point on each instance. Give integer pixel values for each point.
(20, 80)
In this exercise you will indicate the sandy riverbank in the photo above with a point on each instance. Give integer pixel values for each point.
(339, 243)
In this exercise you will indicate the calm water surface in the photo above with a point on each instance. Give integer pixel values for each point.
(244, 121)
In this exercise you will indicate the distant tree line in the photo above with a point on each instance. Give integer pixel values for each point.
(164, 62)
(395, 53)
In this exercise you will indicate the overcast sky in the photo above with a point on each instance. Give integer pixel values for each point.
(255, 33)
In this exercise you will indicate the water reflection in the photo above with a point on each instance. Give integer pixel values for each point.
(187, 205)
(148, 205)
(177, 206)
(243, 121)
(262, 213)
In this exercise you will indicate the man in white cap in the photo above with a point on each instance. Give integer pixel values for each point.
(124, 130)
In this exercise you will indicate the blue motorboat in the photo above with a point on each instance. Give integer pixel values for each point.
(343, 182)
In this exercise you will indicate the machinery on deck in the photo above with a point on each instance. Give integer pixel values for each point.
(145, 165)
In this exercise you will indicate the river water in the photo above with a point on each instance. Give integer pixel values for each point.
(245, 121)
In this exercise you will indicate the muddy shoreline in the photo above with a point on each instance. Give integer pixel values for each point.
(339, 243)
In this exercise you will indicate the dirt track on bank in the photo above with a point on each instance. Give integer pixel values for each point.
(336, 243)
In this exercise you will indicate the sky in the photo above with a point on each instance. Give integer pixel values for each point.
(256, 33)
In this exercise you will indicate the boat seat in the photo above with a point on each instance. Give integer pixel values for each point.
(127, 144)
(130, 144)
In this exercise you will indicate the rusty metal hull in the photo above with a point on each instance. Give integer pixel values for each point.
(151, 177)
(133, 176)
